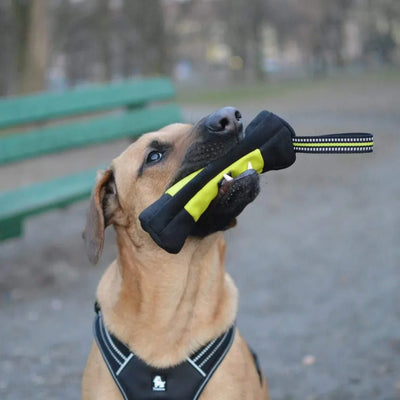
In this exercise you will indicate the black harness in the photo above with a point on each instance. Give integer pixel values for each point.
(138, 380)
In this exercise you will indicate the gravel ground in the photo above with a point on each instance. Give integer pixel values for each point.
(316, 259)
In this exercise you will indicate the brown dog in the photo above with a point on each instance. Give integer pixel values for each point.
(165, 306)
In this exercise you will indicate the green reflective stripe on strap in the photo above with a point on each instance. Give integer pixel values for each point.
(332, 144)
(202, 199)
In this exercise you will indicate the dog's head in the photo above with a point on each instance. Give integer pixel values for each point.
(157, 160)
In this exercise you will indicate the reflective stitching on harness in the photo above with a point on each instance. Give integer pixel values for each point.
(196, 367)
(106, 360)
(105, 342)
(124, 364)
(215, 366)
(113, 345)
(204, 350)
(214, 350)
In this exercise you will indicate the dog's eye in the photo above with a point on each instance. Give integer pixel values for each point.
(154, 157)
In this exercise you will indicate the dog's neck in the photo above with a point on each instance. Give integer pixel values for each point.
(167, 306)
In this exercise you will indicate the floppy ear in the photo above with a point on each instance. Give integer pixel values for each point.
(103, 203)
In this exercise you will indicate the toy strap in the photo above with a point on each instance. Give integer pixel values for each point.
(334, 143)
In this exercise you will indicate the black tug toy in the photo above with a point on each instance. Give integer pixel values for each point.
(270, 143)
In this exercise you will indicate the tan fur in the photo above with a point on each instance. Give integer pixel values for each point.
(154, 300)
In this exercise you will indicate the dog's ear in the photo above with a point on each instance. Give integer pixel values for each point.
(103, 203)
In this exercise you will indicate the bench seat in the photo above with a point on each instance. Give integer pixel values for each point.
(18, 204)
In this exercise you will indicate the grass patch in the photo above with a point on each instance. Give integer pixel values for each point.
(234, 93)
(264, 90)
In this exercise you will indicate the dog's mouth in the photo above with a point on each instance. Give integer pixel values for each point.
(214, 137)
(234, 194)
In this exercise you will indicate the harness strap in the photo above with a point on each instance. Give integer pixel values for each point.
(334, 143)
(138, 380)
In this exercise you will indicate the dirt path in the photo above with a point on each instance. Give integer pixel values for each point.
(316, 259)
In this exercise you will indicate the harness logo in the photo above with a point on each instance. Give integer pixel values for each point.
(159, 383)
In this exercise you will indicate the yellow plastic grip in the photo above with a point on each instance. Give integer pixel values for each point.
(202, 199)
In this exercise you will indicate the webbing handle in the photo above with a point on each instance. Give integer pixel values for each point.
(334, 143)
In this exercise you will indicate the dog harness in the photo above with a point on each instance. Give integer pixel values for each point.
(137, 380)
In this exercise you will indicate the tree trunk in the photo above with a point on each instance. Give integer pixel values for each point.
(33, 45)
(104, 35)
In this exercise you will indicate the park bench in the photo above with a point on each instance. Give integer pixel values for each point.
(106, 112)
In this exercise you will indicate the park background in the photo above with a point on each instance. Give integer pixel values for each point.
(316, 257)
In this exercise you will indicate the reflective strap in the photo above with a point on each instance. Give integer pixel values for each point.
(335, 143)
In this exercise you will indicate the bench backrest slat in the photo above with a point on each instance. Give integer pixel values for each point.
(83, 133)
(46, 106)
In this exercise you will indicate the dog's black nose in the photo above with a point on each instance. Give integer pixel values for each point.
(227, 120)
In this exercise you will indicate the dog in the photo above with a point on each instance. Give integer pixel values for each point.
(165, 307)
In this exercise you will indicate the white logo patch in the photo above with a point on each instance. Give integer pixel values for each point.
(159, 384)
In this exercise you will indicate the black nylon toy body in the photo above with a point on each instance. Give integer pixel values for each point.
(270, 143)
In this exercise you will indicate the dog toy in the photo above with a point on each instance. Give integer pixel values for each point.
(270, 143)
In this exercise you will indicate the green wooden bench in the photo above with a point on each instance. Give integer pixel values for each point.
(119, 110)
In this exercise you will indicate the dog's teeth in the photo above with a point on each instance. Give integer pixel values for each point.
(228, 178)
(249, 165)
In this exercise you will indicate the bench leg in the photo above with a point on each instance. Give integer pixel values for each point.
(10, 228)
